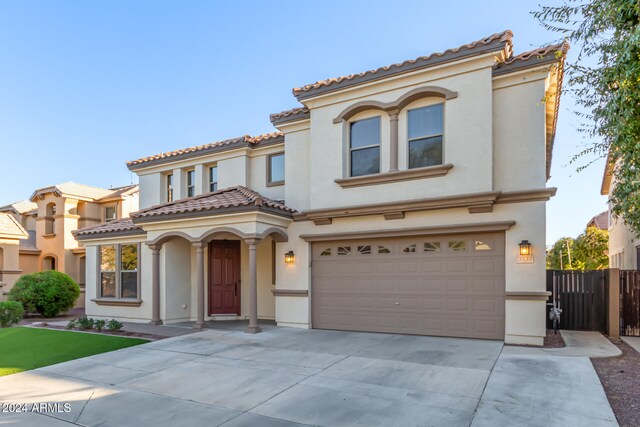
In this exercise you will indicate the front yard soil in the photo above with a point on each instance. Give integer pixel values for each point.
(620, 377)
(149, 337)
(553, 340)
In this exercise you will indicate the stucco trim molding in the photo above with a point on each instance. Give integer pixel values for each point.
(474, 202)
(528, 295)
(405, 175)
(118, 302)
(398, 104)
(290, 292)
(418, 231)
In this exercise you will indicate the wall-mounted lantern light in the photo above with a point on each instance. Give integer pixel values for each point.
(289, 257)
(525, 248)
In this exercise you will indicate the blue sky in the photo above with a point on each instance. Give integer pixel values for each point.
(87, 85)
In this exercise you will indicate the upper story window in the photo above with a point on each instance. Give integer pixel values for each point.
(364, 147)
(169, 188)
(50, 221)
(191, 183)
(425, 136)
(275, 169)
(110, 214)
(213, 178)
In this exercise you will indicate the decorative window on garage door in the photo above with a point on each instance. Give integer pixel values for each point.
(409, 249)
(383, 250)
(326, 252)
(432, 246)
(457, 245)
(483, 245)
(344, 250)
(364, 250)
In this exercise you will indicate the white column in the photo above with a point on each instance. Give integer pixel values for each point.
(253, 286)
(155, 285)
(199, 285)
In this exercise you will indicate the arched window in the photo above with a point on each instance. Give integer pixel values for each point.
(50, 221)
(48, 263)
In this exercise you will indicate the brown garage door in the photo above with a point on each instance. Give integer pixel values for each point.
(445, 285)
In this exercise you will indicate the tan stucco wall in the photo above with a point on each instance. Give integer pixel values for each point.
(29, 263)
(622, 245)
(9, 265)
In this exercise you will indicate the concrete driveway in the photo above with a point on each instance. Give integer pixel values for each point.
(282, 377)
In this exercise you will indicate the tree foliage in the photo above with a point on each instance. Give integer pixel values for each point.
(607, 33)
(586, 252)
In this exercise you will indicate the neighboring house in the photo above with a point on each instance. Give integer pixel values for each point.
(53, 213)
(11, 233)
(26, 213)
(401, 199)
(600, 221)
(624, 244)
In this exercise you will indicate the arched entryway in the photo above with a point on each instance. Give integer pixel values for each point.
(49, 262)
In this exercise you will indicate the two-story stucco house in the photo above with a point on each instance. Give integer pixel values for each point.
(407, 199)
(53, 213)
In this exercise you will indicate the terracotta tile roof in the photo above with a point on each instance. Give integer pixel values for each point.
(244, 140)
(545, 54)
(120, 227)
(81, 190)
(11, 228)
(504, 37)
(290, 115)
(229, 199)
(600, 221)
(20, 207)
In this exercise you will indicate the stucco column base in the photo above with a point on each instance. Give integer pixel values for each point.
(156, 322)
(253, 329)
(198, 325)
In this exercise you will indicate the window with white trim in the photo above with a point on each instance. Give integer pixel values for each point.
(213, 178)
(191, 183)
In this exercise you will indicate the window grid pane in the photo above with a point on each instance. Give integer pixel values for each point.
(425, 152)
(365, 133)
(365, 161)
(425, 121)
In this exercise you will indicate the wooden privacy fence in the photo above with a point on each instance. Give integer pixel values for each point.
(583, 298)
(630, 302)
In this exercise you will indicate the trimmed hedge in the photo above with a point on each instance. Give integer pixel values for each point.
(47, 293)
(10, 312)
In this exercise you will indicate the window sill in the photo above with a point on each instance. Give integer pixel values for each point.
(115, 301)
(49, 236)
(388, 177)
(275, 184)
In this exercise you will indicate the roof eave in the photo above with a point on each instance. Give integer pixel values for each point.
(212, 212)
(499, 45)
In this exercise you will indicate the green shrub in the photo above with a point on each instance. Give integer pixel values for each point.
(85, 323)
(72, 324)
(10, 312)
(100, 324)
(114, 325)
(47, 293)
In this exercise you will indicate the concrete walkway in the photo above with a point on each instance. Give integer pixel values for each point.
(549, 386)
(634, 342)
(577, 344)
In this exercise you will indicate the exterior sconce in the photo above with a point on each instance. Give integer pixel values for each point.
(289, 257)
(525, 248)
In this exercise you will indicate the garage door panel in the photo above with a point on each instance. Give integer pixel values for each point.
(448, 286)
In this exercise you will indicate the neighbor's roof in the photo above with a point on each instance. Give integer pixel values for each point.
(544, 55)
(600, 221)
(11, 228)
(20, 207)
(80, 190)
(298, 113)
(498, 41)
(245, 141)
(122, 227)
(228, 200)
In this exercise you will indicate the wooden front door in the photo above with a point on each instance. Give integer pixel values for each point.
(224, 277)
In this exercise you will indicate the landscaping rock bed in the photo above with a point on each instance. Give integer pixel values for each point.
(620, 377)
(553, 340)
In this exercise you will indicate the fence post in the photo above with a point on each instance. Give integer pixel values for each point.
(613, 279)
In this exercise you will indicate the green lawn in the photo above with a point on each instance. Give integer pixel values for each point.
(22, 348)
